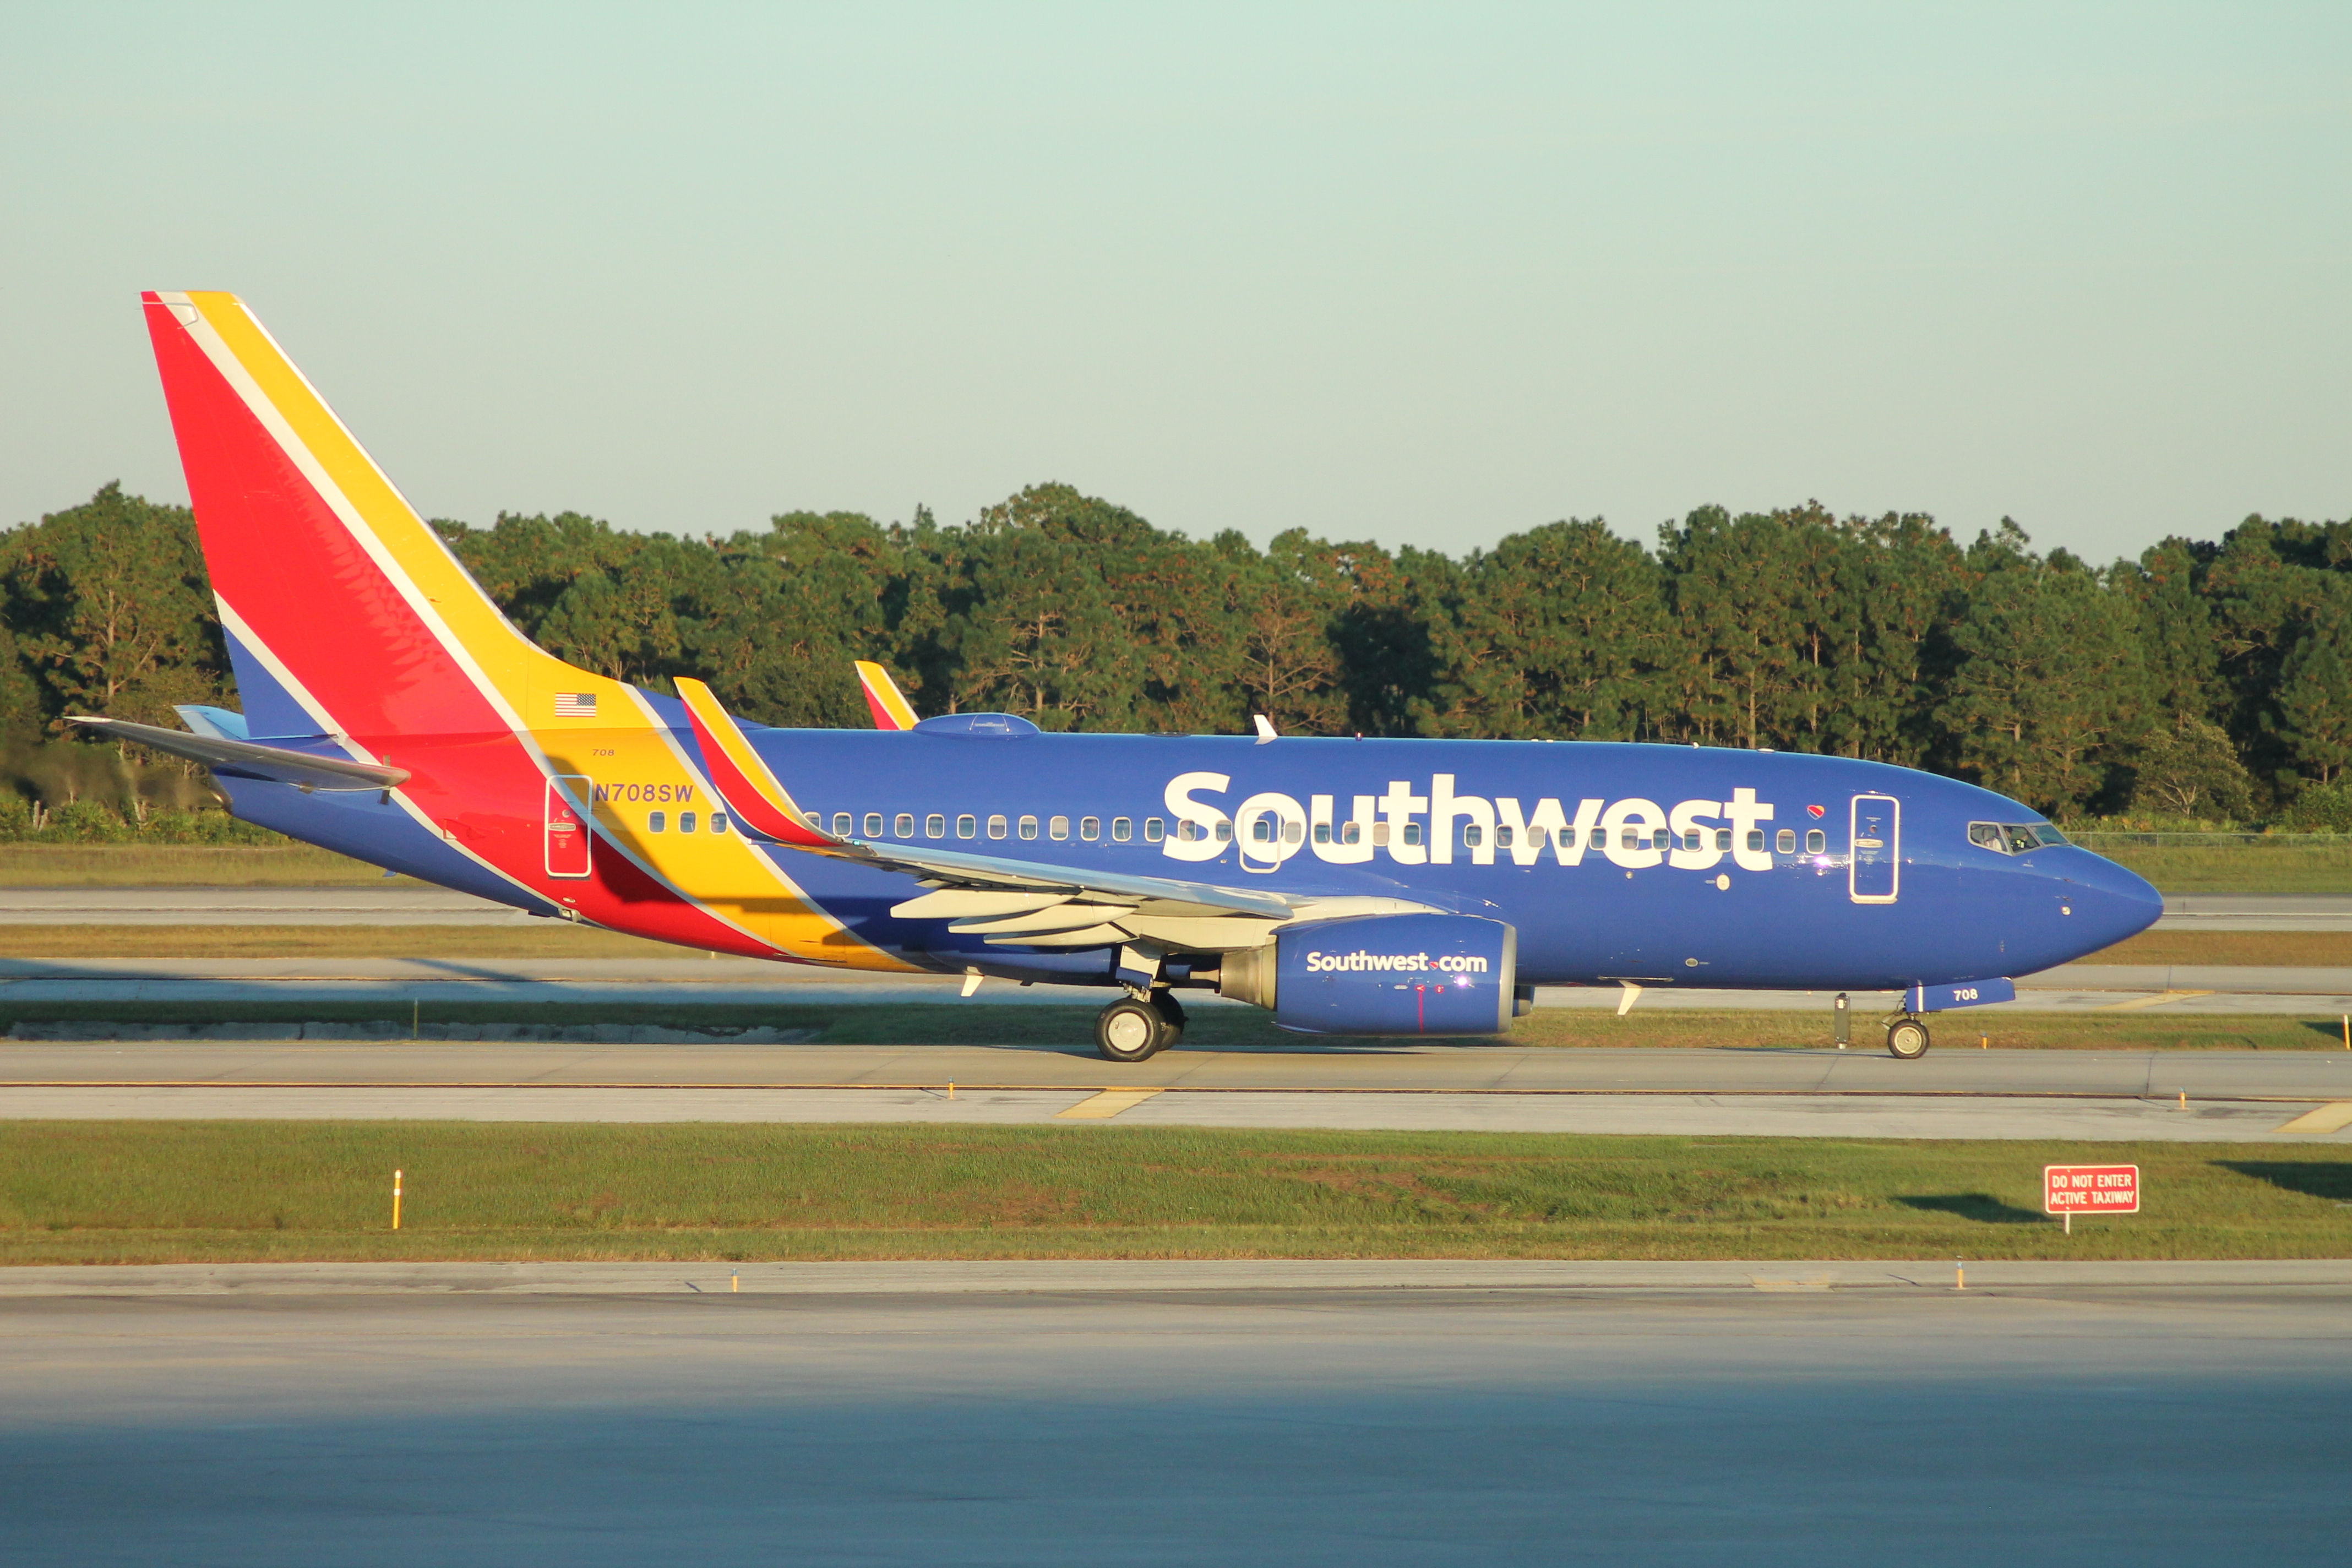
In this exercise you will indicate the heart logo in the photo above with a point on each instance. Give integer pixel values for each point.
(1818, 811)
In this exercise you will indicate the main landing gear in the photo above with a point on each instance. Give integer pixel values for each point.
(1129, 1030)
(1906, 1039)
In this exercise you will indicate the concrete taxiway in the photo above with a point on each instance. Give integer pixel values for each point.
(1763, 1413)
(686, 982)
(2199, 1096)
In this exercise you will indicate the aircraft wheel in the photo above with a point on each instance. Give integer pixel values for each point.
(1129, 1030)
(1171, 1019)
(1906, 1039)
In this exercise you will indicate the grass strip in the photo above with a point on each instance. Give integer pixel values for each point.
(537, 939)
(182, 864)
(2285, 868)
(1228, 1028)
(2256, 949)
(166, 1192)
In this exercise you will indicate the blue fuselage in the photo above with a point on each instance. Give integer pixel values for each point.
(1661, 864)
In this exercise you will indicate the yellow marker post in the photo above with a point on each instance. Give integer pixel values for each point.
(396, 1200)
(2184, 1099)
(735, 1282)
(1960, 1274)
(950, 1089)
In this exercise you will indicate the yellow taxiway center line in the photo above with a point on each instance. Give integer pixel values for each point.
(1110, 1102)
(2159, 1000)
(2334, 1117)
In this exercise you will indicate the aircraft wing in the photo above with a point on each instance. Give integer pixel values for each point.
(245, 759)
(1010, 901)
(888, 705)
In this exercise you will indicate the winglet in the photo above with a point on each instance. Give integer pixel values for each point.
(889, 706)
(1264, 728)
(739, 775)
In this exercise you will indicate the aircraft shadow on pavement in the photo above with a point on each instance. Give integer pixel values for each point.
(1982, 1207)
(2329, 1179)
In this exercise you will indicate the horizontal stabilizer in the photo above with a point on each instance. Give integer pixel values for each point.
(245, 759)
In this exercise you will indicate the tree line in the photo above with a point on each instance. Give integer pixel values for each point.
(2204, 680)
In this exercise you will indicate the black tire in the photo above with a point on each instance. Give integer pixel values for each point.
(1906, 1039)
(1129, 1030)
(1172, 1020)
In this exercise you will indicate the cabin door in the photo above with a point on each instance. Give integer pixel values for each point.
(568, 816)
(1874, 843)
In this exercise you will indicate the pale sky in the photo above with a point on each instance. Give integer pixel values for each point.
(1426, 274)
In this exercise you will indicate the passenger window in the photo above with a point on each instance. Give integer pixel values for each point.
(1471, 836)
(1322, 832)
(1786, 841)
(903, 825)
(1057, 828)
(1351, 833)
(873, 824)
(1723, 838)
(686, 822)
(966, 826)
(1755, 838)
(1293, 832)
(935, 826)
(814, 820)
(1413, 833)
(1121, 829)
(1090, 829)
(1629, 839)
(1380, 832)
(1028, 827)
(1225, 832)
(996, 828)
(1504, 836)
(1816, 842)
(1262, 830)
(1692, 841)
(1154, 830)
(841, 825)
(1566, 838)
(657, 821)
(718, 822)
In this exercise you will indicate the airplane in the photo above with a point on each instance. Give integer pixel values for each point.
(1351, 887)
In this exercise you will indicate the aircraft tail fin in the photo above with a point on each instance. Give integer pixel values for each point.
(345, 611)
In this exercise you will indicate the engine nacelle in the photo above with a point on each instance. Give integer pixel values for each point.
(1382, 974)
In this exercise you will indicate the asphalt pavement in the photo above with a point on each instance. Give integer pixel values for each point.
(1794, 1415)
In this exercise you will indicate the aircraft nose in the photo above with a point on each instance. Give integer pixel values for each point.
(2109, 903)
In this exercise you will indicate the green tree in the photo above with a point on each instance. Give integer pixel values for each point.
(2049, 684)
(2189, 769)
(2315, 696)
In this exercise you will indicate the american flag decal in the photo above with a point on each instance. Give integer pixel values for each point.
(575, 705)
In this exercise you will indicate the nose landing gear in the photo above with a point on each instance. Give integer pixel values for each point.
(1906, 1039)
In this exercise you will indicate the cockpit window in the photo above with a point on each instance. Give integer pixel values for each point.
(2014, 837)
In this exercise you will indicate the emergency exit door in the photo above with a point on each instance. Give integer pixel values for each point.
(568, 812)
(1874, 842)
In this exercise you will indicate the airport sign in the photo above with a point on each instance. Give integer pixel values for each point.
(2070, 1190)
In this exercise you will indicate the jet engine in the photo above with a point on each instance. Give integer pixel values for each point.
(1382, 974)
